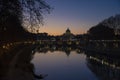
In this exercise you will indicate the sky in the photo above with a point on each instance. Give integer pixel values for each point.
(77, 15)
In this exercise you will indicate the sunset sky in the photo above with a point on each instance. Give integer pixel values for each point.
(78, 15)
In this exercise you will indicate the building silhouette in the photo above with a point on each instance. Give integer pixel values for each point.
(68, 35)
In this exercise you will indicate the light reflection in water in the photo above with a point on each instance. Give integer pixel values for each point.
(59, 66)
(59, 62)
(104, 62)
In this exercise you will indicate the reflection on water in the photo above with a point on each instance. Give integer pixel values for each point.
(60, 67)
(31, 61)
(104, 67)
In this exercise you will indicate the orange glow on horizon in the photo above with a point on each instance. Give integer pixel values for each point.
(59, 31)
(57, 26)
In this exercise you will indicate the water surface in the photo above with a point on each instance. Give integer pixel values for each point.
(26, 61)
(60, 66)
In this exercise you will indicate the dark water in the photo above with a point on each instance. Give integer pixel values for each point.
(59, 66)
(28, 61)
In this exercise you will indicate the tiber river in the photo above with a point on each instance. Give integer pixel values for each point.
(28, 62)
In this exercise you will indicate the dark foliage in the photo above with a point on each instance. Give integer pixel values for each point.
(101, 32)
(13, 13)
(33, 11)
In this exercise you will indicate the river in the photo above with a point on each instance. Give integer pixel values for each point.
(28, 62)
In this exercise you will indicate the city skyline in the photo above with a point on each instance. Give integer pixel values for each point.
(78, 15)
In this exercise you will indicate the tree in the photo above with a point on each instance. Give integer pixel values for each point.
(113, 22)
(107, 29)
(101, 32)
(27, 11)
(33, 11)
(16, 13)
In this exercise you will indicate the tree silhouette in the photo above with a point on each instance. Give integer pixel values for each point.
(101, 32)
(16, 13)
(28, 11)
(107, 29)
(33, 11)
(113, 22)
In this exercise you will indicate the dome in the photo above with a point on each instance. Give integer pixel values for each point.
(68, 30)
